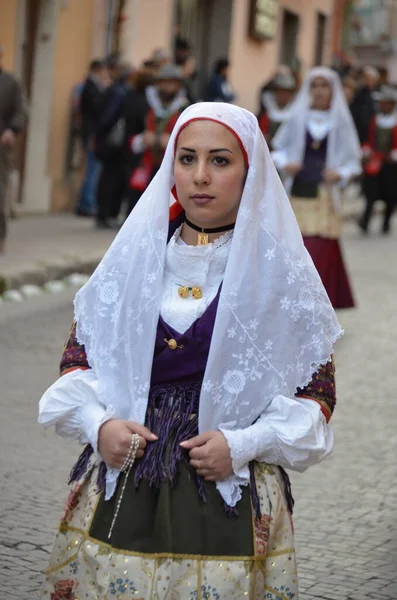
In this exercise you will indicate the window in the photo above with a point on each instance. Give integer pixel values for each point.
(289, 36)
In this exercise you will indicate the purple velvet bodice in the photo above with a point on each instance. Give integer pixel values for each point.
(314, 161)
(189, 359)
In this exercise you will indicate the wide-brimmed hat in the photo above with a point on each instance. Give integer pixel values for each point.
(170, 72)
(387, 93)
(283, 81)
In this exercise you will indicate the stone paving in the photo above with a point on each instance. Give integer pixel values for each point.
(346, 508)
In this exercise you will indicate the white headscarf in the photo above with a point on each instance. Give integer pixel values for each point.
(274, 325)
(343, 146)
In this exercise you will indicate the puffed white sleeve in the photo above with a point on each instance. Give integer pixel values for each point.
(74, 405)
(280, 159)
(292, 433)
(348, 171)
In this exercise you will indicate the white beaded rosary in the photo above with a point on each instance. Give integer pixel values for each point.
(126, 468)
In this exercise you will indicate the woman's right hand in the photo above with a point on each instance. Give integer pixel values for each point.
(114, 440)
(293, 169)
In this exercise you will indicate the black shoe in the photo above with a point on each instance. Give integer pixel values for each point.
(386, 229)
(83, 213)
(363, 226)
(104, 224)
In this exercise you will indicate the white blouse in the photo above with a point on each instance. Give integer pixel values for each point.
(292, 432)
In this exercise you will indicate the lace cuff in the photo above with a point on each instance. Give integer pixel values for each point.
(247, 444)
(291, 433)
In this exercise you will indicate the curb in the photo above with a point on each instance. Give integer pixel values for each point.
(41, 275)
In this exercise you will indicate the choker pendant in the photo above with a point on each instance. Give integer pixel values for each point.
(202, 239)
(203, 234)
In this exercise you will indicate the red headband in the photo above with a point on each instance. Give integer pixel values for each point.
(240, 143)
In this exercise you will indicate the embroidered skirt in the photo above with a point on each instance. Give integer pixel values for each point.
(170, 545)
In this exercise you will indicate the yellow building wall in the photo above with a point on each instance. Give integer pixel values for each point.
(252, 63)
(8, 24)
(147, 25)
(72, 57)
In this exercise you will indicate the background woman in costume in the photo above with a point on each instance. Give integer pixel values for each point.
(180, 490)
(317, 152)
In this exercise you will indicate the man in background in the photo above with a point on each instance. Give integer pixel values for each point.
(90, 111)
(364, 101)
(110, 146)
(13, 117)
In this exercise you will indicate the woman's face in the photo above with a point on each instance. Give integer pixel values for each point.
(209, 171)
(321, 93)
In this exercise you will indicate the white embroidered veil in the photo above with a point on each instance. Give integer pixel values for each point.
(274, 325)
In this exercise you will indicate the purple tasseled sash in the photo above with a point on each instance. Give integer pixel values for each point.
(172, 415)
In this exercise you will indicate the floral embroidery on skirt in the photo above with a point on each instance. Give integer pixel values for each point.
(82, 567)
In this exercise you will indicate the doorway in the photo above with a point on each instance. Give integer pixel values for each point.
(206, 25)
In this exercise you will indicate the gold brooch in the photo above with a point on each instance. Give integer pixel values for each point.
(185, 292)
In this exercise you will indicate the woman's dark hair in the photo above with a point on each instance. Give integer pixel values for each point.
(96, 65)
(182, 44)
(220, 65)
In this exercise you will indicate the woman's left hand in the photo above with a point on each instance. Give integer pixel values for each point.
(331, 176)
(210, 455)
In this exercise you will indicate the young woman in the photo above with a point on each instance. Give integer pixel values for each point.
(317, 152)
(199, 366)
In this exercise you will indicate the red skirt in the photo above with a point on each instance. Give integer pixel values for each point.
(328, 260)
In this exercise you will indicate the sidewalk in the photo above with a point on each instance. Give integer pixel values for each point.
(43, 248)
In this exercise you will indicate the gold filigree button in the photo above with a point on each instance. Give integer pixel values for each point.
(183, 291)
(197, 293)
(172, 344)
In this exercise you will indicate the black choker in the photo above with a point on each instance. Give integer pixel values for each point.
(203, 233)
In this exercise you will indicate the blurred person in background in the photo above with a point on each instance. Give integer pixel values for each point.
(380, 159)
(110, 146)
(13, 118)
(183, 58)
(150, 125)
(161, 57)
(317, 153)
(91, 98)
(219, 88)
(135, 110)
(350, 87)
(276, 102)
(365, 102)
(268, 85)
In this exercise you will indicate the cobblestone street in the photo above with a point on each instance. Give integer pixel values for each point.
(346, 508)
